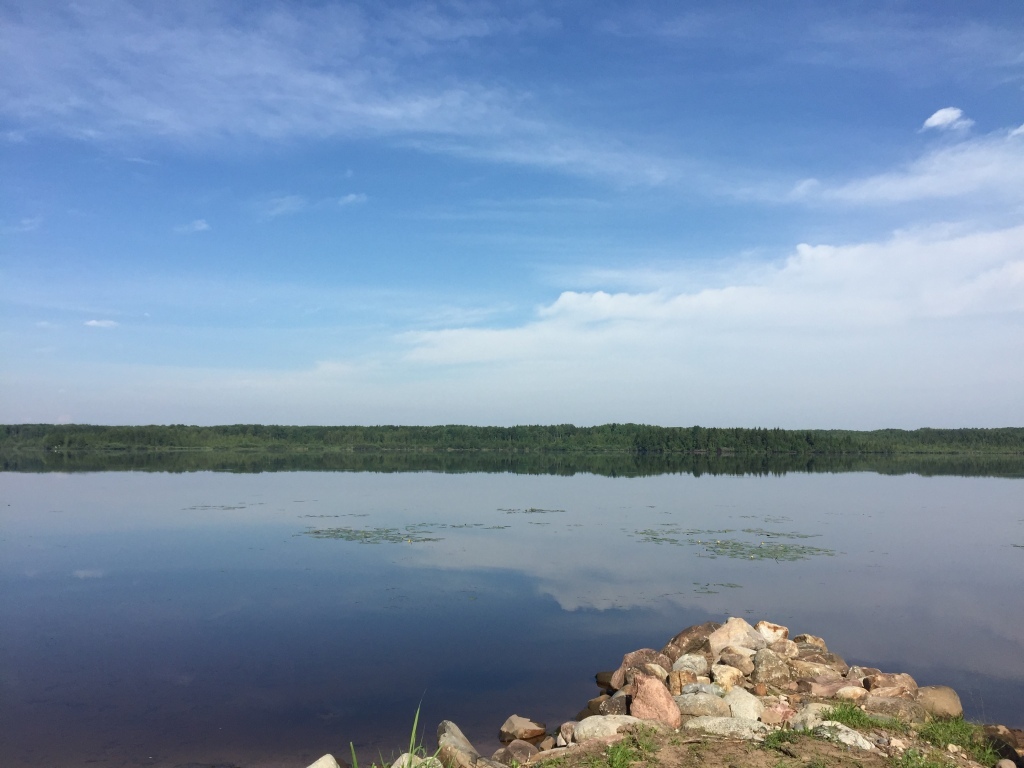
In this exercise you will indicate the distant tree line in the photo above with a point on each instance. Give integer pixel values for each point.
(633, 439)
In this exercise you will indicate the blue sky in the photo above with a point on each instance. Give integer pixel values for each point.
(729, 214)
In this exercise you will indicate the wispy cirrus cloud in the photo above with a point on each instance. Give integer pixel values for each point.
(284, 206)
(29, 224)
(985, 169)
(119, 69)
(197, 225)
(352, 198)
(101, 323)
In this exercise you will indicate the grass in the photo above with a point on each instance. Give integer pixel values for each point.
(415, 748)
(852, 716)
(638, 746)
(963, 734)
(778, 739)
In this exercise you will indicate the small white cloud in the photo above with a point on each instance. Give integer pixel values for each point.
(948, 119)
(199, 225)
(282, 206)
(352, 199)
(88, 573)
(25, 225)
(101, 323)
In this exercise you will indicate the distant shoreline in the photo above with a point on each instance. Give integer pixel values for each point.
(621, 439)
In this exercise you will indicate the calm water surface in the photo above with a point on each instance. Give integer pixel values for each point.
(173, 619)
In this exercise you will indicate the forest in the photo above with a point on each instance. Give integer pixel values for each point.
(627, 439)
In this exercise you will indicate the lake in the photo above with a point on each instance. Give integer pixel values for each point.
(210, 618)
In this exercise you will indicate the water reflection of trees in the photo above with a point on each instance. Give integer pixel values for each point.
(606, 464)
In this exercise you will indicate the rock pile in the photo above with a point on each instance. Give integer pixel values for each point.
(733, 680)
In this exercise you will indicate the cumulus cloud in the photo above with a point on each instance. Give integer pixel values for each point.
(199, 225)
(352, 199)
(101, 323)
(947, 119)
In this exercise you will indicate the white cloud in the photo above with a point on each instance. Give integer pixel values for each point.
(101, 323)
(283, 206)
(983, 171)
(199, 225)
(947, 119)
(352, 198)
(30, 224)
(119, 69)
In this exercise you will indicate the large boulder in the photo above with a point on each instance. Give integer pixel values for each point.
(890, 680)
(736, 632)
(743, 705)
(327, 761)
(601, 726)
(770, 668)
(691, 662)
(772, 632)
(652, 701)
(690, 640)
(731, 727)
(841, 734)
(741, 658)
(678, 678)
(701, 704)
(814, 640)
(636, 660)
(907, 710)
(516, 752)
(726, 676)
(516, 727)
(453, 748)
(809, 716)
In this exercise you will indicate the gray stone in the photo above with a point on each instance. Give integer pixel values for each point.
(327, 761)
(453, 748)
(694, 662)
(890, 680)
(809, 716)
(814, 640)
(600, 726)
(616, 705)
(903, 709)
(700, 704)
(732, 727)
(517, 727)
(516, 751)
(565, 732)
(840, 734)
(743, 705)
(770, 668)
(785, 648)
(813, 670)
(711, 688)
(637, 660)
(740, 658)
(736, 632)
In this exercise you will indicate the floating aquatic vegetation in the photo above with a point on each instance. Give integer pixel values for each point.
(780, 534)
(708, 589)
(736, 548)
(411, 534)
(529, 511)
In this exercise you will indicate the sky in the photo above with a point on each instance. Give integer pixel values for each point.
(798, 215)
